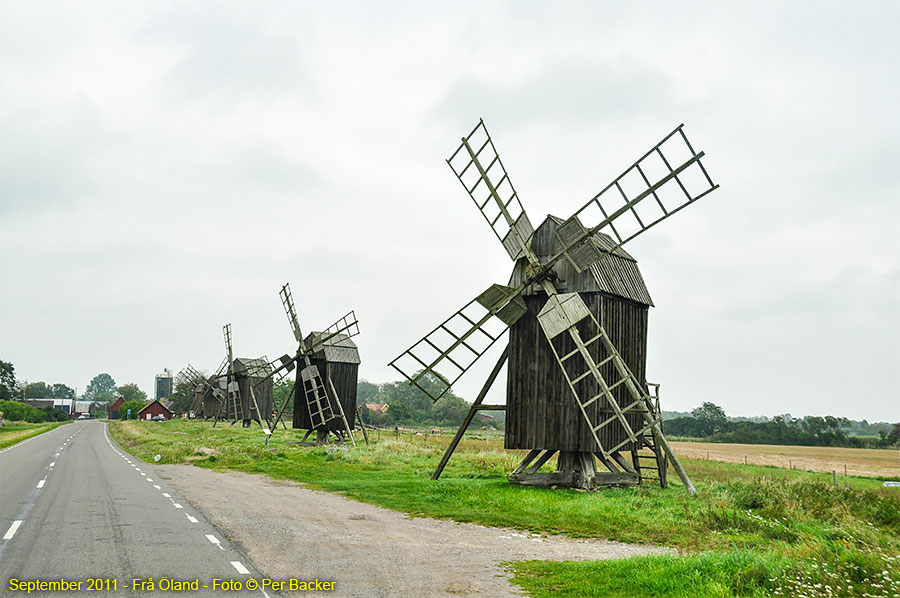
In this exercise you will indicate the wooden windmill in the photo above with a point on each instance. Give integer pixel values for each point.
(209, 392)
(248, 388)
(322, 403)
(571, 388)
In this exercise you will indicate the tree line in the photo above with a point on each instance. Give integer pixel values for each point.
(709, 422)
(102, 391)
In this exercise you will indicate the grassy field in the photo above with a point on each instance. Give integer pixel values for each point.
(825, 459)
(14, 432)
(752, 531)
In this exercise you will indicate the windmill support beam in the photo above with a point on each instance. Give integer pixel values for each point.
(660, 439)
(476, 406)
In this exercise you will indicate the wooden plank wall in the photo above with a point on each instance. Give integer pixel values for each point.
(345, 377)
(541, 412)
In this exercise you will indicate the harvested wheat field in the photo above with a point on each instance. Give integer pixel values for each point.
(859, 462)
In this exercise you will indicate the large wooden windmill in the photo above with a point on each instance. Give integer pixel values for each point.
(576, 308)
(327, 364)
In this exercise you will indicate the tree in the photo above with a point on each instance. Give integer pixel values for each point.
(37, 390)
(131, 392)
(182, 396)
(135, 406)
(61, 391)
(282, 390)
(712, 418)
(7, 380)
(100, 384)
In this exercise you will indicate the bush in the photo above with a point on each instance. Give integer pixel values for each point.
(135, 406)
(20, 412)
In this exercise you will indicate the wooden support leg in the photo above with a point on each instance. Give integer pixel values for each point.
(538, 463)
(527, 460)
(618, 458)
(471, 414)
(676, 464)
(362, 426)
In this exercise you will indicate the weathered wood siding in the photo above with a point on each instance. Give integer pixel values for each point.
(541, 411)
(263, 394)
(344, 376)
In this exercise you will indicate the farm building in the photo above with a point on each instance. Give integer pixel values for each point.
(154, 409)
(114, 408)
(339, 362)
(541, 412)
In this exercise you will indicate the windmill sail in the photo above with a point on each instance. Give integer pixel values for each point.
(477, 165)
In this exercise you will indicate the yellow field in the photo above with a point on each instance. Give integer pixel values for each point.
(859, 462)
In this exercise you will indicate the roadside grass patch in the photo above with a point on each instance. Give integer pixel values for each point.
(752, 531)
(14, 432)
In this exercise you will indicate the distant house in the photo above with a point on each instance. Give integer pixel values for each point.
(377, 407)
(114, 408)
(485, 418)
(154, 409)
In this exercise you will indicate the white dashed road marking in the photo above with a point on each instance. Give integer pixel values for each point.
(192, 519)
(213, 539)
(12, 529)
(41, 483)
(177, 506)
(240, 568)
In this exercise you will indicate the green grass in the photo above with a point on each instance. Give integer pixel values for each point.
(15, 432)
(753, 530)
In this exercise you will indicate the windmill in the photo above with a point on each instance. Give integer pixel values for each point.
(247, 396)
(569, 389)
(209, 394)
(326, 400)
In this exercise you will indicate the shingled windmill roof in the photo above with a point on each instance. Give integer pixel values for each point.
(338, 349)
(616, 274)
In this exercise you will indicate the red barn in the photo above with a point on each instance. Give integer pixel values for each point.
(154, 409)
(114, 408)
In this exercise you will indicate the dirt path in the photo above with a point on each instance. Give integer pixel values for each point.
(293, 532)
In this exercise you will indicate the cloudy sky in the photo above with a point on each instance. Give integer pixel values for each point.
(166, 167)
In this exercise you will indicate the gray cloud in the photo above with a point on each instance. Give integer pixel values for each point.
(574, 90)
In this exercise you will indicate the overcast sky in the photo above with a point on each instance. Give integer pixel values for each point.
(166, 167)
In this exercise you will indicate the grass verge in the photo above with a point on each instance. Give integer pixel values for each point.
(14, 432)
(753, 530)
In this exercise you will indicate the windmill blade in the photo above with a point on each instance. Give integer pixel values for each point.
(287, 301)
(477, 165)
(223, 367)
(567, 313)
(317, 401)
(665, 180)
(460, 340)
(346, 327)
(583, 368)
(226, 331)
(276, 370)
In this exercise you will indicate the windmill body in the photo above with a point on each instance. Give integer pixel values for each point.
(540, 412)
(338, 362)
(254, 375)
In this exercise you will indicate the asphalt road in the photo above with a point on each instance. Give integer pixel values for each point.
(75, 506)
